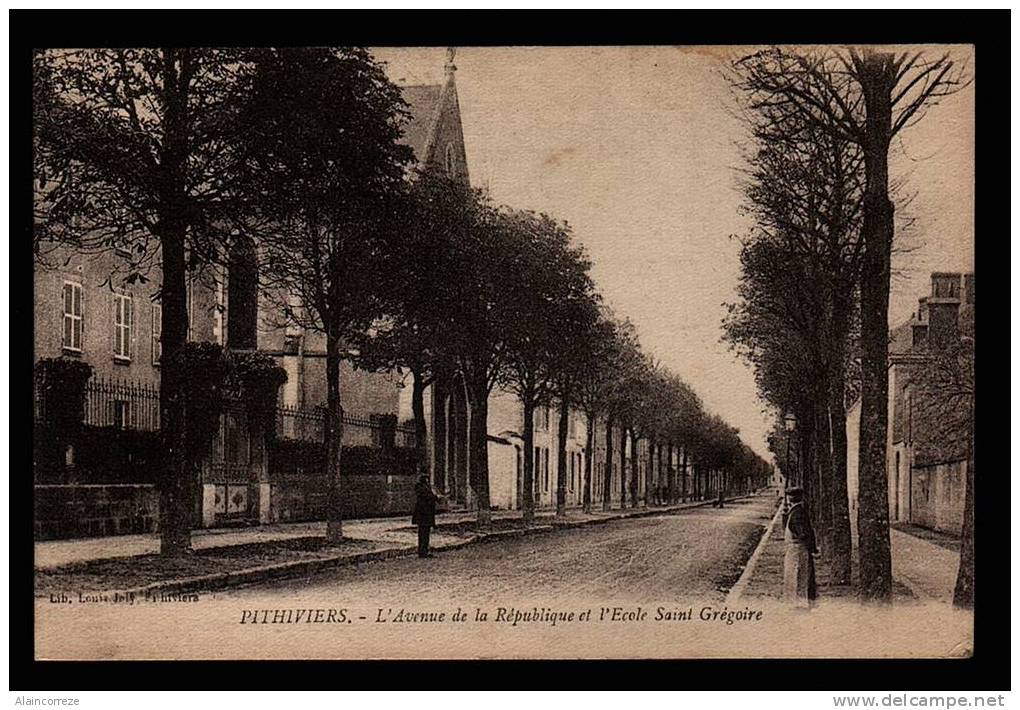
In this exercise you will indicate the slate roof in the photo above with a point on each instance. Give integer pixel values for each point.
(901, 337)
(423, 101)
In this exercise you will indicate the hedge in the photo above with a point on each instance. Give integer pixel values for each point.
(297, 456)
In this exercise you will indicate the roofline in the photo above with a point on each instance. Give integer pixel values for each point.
(430, 137)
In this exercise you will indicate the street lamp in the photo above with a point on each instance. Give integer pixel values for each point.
(789, 422)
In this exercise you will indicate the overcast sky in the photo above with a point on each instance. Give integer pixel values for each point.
(634, 148)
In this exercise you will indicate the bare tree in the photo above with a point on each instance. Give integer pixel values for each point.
(866, 96)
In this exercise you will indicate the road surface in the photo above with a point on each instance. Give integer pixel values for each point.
(697, 553)
(652, 587)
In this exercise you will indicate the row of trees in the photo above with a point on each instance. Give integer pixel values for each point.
(812, 315)
(486, 297)
(182, 157)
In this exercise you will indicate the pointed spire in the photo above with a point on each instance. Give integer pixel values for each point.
(450, 67)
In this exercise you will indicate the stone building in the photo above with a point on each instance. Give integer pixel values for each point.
(930, 430)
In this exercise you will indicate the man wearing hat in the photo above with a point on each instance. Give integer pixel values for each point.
(424, 513)
(799, 563)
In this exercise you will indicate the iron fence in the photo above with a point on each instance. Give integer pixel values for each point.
(375, 431)
(132, 405)
(124, 405)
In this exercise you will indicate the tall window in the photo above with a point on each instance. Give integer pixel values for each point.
(545, 467)
(542, 417)
(190, 304)
(537, 472)
(242, 296)
(157, 332)
(123, 317)
(73, 320)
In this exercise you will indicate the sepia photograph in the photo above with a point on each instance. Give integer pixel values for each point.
(503, 352)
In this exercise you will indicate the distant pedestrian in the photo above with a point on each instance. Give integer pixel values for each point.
(424, 515)
(798, 563)
(719, 501)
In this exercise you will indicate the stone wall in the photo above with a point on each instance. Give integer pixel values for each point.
(299, 498)
(937, 496)
(65, 511)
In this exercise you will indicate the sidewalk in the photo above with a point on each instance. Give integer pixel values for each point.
(56, 553)
(911, 557)
(129, 565)
(927, 568)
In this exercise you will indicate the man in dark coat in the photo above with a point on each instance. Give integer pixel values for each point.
(801, 546)
(424, 515)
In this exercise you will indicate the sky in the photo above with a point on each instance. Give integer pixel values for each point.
(635, 149)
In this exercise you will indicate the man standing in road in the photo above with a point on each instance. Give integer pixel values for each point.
(424, 515)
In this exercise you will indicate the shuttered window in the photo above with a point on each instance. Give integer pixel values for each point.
(123, 317)
(157, 332)
(73, 317)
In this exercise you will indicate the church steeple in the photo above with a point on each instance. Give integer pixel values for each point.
(450, 67)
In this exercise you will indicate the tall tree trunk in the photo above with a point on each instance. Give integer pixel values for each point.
(823, 447)
(696, 480)
(420, 428)
(634, 468)
(623, 466)
(561, 458)
(175, 497)
(963, 594)
(459, 444)
(804, 466)
(439, 432)
(334, 440)
(877, 76)
(650, 473)
(671, 473)
(478, 467)
(528, 479)
(177, 484)
(607, 475)
(683, 477)
(589, 455)
(665, 482)
(842, 544)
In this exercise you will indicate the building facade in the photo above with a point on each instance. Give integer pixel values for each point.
(930, 425)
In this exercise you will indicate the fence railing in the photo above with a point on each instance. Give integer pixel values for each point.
(310, 425)
(132, 405)
(124, 405)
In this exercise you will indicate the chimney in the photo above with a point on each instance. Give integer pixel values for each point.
(944, 310)
(919, 327)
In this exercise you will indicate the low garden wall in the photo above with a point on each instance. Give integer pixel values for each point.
(937, 497)
(65, 511)
(300, 498)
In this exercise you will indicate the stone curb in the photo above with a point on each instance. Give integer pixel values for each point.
(283, 570)
(737, 590)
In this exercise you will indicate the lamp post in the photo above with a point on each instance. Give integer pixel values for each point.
(790, 424)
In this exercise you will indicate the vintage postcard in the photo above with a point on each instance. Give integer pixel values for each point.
(599, 352)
